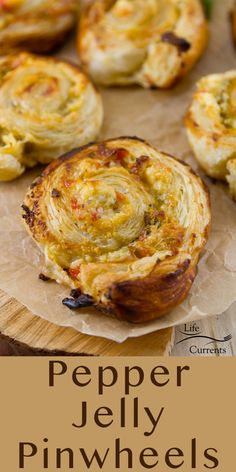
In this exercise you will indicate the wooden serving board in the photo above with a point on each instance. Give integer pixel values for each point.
(19, 324)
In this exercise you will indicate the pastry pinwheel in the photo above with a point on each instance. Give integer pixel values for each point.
(211, 126)
(47, 107)
(121, 224)
(152, 43)
(35, 25)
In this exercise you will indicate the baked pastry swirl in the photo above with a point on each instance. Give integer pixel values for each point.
(148, 42)
(47, 107)
(211, 126)
(122, 224)
(35, 25)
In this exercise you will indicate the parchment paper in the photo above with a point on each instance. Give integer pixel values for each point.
(157, 117)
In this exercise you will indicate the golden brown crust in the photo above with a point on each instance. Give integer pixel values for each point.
(155, 42)
(47, 107)
(131, 300)
(211, 126)
(122, 224)
(35, 26)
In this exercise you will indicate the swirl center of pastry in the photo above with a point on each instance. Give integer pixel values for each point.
(41, 87)
(102, 209)
(38, 92)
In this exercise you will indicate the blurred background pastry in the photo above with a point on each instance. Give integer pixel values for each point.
(47, 107)
(35, 25)
(122, 224)
(152, 43)
(211, 126)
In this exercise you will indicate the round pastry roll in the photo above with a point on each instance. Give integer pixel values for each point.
(211, 126)
(122, 224)
(148, 42)
(47, 107)
(35, 25)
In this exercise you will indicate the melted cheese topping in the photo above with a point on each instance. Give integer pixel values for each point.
(33, 23)
(47, 107)
(112, 211)
(211, 124)
(152, 40)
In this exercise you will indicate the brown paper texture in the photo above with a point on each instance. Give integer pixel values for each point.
(156, 116)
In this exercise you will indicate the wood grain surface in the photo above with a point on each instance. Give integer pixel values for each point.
(24, 334)
(214, 336)
(17, 323)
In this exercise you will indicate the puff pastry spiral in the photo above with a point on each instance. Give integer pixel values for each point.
(122, 224)
(47, 107)
(35, 25)
(148, 42)
(211, 126)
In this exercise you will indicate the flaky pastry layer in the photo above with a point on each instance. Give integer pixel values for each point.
(152, 43)
(47, 107)
(122, 224)
(35, 25)
(211, 126)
